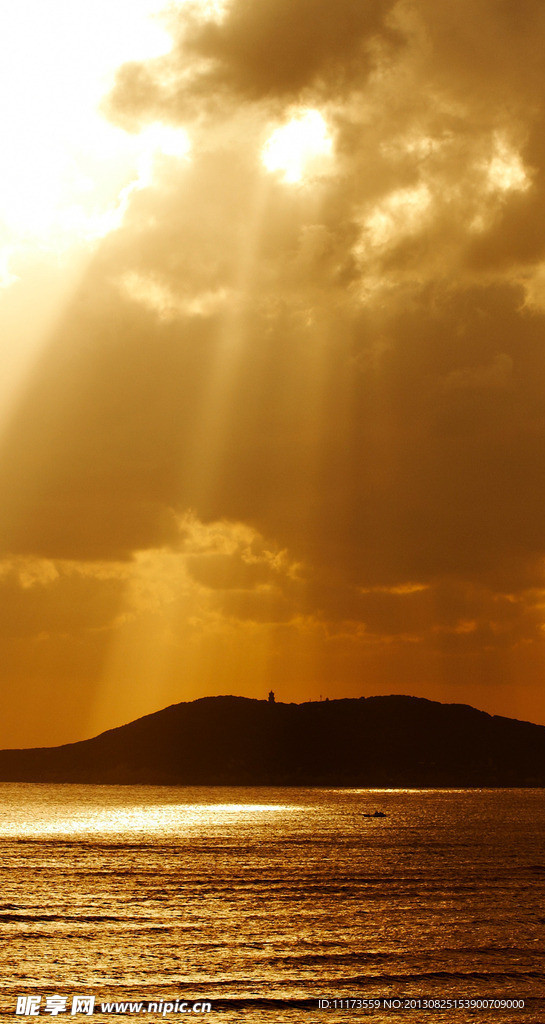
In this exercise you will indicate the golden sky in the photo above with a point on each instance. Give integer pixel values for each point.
(272, 326)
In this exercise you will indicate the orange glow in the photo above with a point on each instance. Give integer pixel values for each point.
(271, 327)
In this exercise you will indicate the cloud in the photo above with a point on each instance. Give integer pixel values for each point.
(341, 374)
(41, 598)
(274, 49)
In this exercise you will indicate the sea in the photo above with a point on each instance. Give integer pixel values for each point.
(285, 904)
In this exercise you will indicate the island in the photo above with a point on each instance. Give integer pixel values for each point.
(384, 741)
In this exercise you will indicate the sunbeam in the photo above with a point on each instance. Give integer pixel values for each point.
(271, 316)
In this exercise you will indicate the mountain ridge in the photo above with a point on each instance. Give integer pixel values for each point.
(393, 740)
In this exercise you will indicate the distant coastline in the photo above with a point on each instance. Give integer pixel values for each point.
(391, 741)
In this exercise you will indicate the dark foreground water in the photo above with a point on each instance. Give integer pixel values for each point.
(265, 900)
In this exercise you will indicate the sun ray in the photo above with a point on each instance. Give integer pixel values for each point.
(65, 172)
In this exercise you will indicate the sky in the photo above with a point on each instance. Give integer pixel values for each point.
(272, 336)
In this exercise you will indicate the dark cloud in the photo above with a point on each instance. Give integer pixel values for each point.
(277, 49)
(485, 53)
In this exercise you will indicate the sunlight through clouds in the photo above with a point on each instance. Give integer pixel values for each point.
(506, 171)
(159, 140)
(165, 303)
(64, 165)
(399, 214)
(294, 148)
(279, 262)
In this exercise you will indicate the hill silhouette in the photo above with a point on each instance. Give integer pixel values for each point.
(371, 741)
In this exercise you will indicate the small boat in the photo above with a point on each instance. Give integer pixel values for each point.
(376, 814)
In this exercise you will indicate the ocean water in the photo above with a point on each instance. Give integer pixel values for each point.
(263, 901)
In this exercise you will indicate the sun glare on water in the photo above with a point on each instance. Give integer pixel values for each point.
(34, 819)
